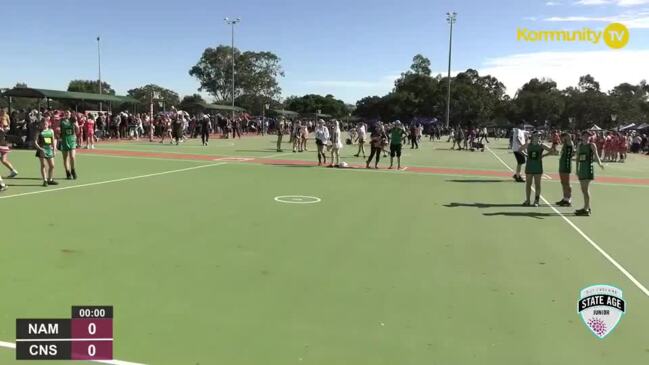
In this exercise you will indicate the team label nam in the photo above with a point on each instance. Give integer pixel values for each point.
(43, 328)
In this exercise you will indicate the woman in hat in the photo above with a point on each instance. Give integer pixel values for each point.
(321, 140)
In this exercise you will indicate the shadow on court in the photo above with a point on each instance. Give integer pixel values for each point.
(483, 205)
(536, 215)
(475, 181)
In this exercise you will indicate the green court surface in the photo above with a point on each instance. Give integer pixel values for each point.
(204, 266)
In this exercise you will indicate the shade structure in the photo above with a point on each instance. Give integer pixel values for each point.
(25, 92)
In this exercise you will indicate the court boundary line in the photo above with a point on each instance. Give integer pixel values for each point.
(111, 181)
(605, 254)
(12, 346)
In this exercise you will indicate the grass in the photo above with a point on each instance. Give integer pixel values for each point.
(204, 267)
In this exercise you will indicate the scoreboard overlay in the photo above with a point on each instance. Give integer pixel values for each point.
(87, 335)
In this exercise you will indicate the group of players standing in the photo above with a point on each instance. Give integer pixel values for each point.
(531, 151)
(63, 136)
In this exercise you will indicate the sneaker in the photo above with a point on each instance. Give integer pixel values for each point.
(536, 203)
(13, 174)
(93, 146)
(45, 183)
(68, 175)
(3, 187)
(583, 212)
(74, 174)
(526, 203)
(52, 182)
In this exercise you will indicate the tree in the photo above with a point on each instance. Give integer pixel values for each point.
(310, 104)
(369, 107)
(420, 65)
(539, 101)
(587, 104)
(256, 73)
(474, 98)
(628, 102)
(254, 103)
(190, 103)
(143, 95)
(90, 86)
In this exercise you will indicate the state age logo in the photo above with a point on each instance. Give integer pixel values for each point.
(601, 307)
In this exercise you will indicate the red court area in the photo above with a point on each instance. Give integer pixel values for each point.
(270, 161)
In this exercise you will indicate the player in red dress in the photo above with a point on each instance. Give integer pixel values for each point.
(89, 129)
(624, 146)
(81, 120)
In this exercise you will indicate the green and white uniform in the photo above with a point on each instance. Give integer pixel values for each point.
(46, 141)
(565, 160)
(534, 164)
(68, 136)
(585, 156)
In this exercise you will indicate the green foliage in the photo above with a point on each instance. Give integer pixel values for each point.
(256, 73)
(539, 101)
(190, 103)
(90, 86)
(481, 100)
(144, 94)
(309, 104)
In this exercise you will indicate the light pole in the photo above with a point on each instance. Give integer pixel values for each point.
(451, 17)
(232, 22)
(99, 66)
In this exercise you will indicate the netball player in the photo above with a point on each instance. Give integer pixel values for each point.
(586, 155)
(45, 150)
(69, 131)
(565, 169)
(534, 167)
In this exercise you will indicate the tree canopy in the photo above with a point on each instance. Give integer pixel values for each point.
(256, 73)
(90, 86)
(144, 94)
(311, 103)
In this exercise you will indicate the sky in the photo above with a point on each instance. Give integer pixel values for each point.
(348, 48)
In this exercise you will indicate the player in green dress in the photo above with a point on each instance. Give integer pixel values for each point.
(586, 155)
(45, 149)
(69, 130)
(565, 169)
(534, 167)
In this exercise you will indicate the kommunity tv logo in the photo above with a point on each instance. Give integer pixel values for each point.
(615, 35)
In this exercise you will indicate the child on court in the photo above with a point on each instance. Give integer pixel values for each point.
(586, 155)
(565, 169)
(45, 149)
(534, 167)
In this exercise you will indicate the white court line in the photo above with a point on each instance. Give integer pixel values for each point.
(588, 239)
(110, 181)
(12, 346)
(144, 158)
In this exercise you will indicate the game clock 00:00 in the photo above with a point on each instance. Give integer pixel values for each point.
(87, 335)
